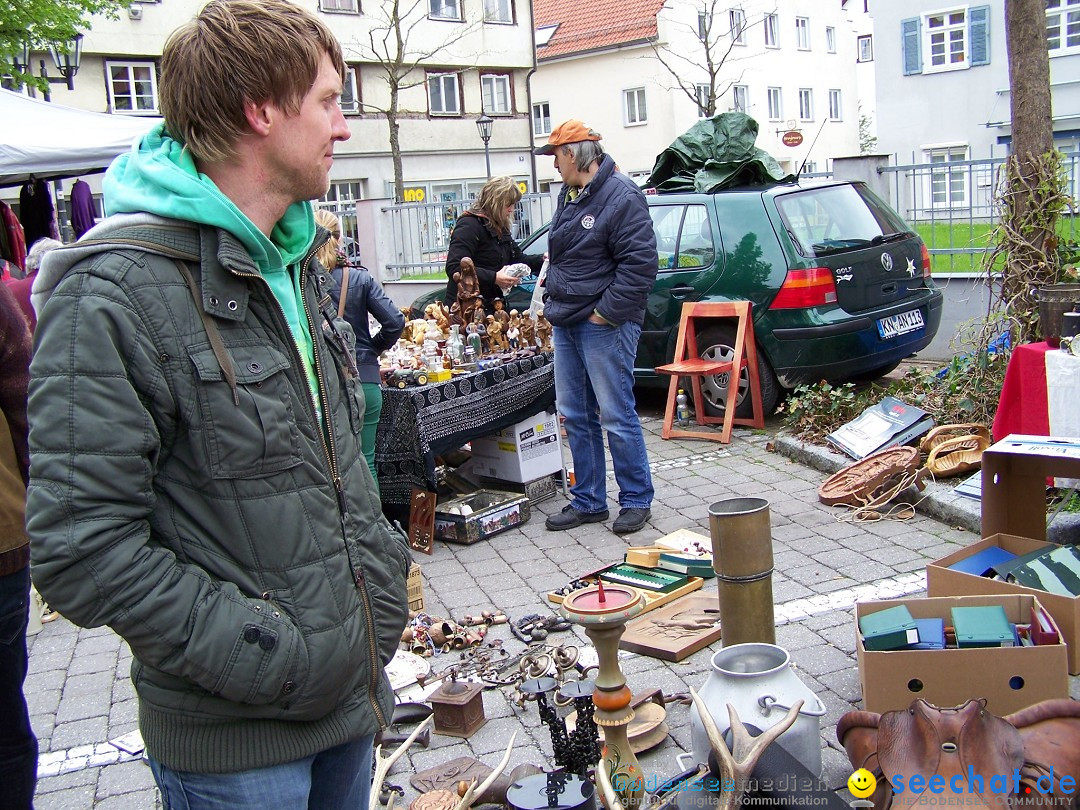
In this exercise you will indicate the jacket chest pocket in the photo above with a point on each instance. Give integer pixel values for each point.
(254, 435)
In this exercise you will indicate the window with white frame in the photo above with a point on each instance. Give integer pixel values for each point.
(835, 108)
(1062, 26)
(495, 93)
(445, 9)
(948, 183)
(634, 111)
(132, 87)
(704, 23)
(701, 96)
(776, 103)
(350, 95)
(345, 191)
(740, 98)
(830, 39)
(809, 167)
(806, 104)
(737, 26)
(339, 5)
(498, 11)
(946, 40)
(802, 33)
(866, 48)
(541, 117)
(770, 24)
(444, 95)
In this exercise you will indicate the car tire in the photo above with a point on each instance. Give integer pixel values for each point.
(718, 343)
(873, 374)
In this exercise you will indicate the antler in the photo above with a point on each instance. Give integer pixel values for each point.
(383, 766)
(746, 748)
(467, 800)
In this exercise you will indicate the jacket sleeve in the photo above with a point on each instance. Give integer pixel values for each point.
(389, 316)
(14, 373)
(633, 249)
(99, 404)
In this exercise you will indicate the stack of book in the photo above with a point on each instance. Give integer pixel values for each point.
(682, 552)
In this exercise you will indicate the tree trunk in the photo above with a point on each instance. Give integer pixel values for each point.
(395, 145)
(1031, 171)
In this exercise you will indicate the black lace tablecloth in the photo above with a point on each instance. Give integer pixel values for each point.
(419, 423)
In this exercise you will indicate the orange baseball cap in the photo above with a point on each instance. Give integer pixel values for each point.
(572, 131)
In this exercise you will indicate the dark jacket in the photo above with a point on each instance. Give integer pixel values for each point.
(234, 539)
(603, 252)
(14, 458)
(365, 298)
(474, 236)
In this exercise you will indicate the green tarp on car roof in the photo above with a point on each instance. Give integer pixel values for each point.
(714, 154)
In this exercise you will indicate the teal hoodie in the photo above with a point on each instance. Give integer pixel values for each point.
(158, 176)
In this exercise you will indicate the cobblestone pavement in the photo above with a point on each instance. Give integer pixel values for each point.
(80, 695)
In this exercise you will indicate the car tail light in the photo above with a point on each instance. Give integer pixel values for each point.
(925, 262)
(804, 288)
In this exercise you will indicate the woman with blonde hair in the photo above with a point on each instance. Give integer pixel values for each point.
(357, 296)
(482, 233)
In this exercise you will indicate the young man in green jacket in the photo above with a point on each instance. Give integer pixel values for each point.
(197, 482)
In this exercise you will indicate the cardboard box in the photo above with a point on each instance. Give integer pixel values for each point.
(414, 584)
(522, 452)
(943, 581)
(1010, 678)
(478, 516)
(1014, 473)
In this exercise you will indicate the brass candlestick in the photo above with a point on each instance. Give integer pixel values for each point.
(603, 612)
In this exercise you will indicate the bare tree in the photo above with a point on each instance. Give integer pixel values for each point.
(717, 30)
(393, 47)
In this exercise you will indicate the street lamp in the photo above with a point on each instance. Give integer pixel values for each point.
(66, 56)
(483, 124)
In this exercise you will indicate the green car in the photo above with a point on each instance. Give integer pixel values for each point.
(840, 284)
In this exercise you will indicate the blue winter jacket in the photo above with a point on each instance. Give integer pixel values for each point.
(365, 298)
(602, 252)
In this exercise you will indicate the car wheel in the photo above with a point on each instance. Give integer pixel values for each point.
(718, 343)
(873, 374)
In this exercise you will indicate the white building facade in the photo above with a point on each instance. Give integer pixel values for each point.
(476, 60)
(635, 70)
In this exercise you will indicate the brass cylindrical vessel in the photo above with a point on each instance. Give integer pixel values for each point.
(741, 535)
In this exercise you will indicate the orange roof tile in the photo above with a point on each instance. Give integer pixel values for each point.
(594, 25)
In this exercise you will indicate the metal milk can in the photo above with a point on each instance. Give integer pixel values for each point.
(757, 679)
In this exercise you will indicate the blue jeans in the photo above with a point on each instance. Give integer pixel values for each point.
(594, 389)
(336, 779)
(18, 745)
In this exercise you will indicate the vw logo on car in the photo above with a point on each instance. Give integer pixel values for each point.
(886, 262)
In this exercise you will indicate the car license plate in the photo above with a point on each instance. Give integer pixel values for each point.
(900, 324)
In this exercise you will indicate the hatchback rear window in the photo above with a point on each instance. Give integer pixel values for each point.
(834, 219)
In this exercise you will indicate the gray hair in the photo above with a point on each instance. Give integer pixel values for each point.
(585, 153)
(37, 252)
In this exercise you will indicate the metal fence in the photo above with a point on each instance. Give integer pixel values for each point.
(420, 233)
(951, 205)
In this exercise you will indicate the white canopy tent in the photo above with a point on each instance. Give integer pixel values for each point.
(53, 142)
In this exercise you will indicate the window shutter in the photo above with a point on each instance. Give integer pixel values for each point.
(910, 45)
(979, 35)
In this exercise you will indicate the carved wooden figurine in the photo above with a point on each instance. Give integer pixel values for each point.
(543, 333)
(501, 314)
(468, 290)
(528, 332)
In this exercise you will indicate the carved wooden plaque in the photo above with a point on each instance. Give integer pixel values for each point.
(676, 630)
(422, 520)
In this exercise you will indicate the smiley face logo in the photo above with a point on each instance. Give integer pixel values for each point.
(861, 783)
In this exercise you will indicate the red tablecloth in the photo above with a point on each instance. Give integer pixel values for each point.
(1022, 407)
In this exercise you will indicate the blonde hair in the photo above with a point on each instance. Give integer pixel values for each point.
(327, 254)
(234, 52)
(493, 199)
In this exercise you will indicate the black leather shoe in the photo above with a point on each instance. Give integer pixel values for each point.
(630, 520)
(570, 517)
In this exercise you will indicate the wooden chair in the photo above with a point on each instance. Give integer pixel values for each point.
(688, 363)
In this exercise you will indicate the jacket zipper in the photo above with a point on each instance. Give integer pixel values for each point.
(330, 451)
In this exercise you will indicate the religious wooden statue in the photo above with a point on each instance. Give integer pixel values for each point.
(468, 289)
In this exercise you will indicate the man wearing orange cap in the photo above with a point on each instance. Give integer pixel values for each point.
(602, 265)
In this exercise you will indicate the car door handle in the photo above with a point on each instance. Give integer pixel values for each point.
(888, 289)
(681, 291)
